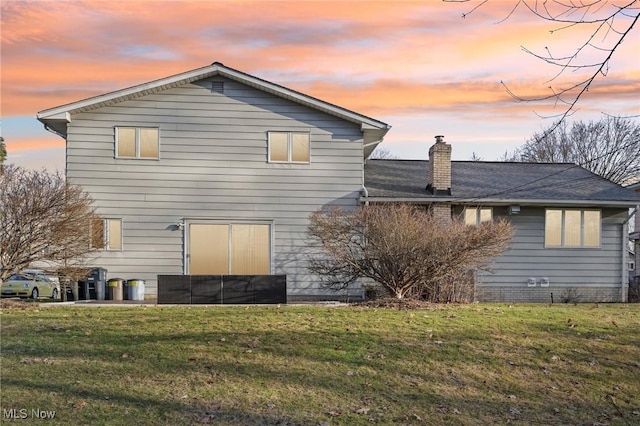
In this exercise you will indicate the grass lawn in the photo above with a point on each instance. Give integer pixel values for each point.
(469, 365)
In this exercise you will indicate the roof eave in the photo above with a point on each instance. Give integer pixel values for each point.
(366, 123)
(502, 202)
(128, 93)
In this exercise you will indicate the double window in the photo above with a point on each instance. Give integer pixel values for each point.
(137, 142)
(289, 147)
(572, 228)
(107, 234)
(477, 215)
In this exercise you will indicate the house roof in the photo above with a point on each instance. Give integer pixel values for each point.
(56, 118)
(495, 183)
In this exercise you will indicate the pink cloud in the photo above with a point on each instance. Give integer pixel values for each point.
(378, 58)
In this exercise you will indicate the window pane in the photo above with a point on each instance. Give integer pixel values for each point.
(278, 144)
(149, 143)
(591, 228)
(572, 226)
(470, 216)
(485, 215)
(300, 147)
(97, 233)
(250, 249)
(126, 142)
(208, 249)
(114, 234)
(553, 228)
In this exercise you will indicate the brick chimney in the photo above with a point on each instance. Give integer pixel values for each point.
(439, 173)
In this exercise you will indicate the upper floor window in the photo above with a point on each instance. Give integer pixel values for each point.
(572, 228)
(137, 142)
(477, 215)
(289, 147)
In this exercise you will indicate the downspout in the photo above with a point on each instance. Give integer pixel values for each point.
(625, 273)
(625, 251)
(365, 192)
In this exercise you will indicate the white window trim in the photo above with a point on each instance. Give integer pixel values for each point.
(186, 243)
(478, 211)
(137, 142)
(289, 145)
(582, 230)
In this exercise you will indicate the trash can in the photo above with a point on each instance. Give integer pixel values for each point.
(135, 288)
(94, 285)
(115, 288)
(125, 290)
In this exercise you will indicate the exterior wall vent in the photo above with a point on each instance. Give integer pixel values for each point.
(217, 87)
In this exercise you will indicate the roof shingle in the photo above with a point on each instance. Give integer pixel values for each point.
(477, 180)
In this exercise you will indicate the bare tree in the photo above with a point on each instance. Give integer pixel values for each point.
(42, 218)
(403, 248)
(608, 23)
(3, 151)
(475, 157)
(609, 147)
(382, 154)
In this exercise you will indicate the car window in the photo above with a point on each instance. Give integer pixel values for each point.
(20, 277)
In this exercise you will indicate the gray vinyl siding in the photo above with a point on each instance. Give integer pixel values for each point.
(212, 166)
(582, 274)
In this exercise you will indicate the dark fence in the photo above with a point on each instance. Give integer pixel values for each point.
(222, 289)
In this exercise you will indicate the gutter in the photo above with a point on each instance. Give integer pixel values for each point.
(55, 132)
(500, 202)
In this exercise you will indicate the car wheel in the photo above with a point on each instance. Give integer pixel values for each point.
(54, 294)
(34, 293)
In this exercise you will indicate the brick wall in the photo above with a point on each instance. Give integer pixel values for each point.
(439, 173)
(441, 212)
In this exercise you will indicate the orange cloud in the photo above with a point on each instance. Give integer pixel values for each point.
(373, 57)
(18, 144)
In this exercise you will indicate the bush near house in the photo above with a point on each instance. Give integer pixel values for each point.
(405, 249)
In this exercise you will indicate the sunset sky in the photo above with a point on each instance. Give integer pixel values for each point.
(416, 65)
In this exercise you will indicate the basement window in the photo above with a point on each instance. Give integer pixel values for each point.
(572, 228)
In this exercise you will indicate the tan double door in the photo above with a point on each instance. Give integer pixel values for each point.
(229, 249)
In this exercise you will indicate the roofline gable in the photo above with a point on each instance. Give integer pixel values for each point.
(368, 124)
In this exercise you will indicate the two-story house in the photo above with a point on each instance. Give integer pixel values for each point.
(215, 172)
(212, 171)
